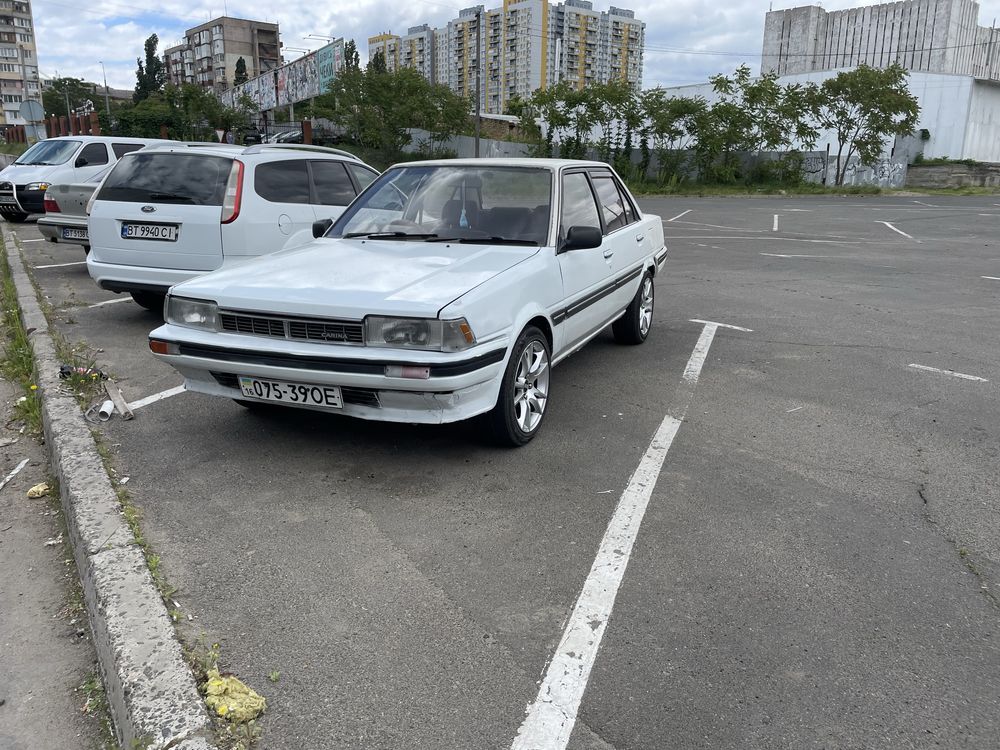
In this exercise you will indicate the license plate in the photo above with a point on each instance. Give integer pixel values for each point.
(8, 199)
(165, 232)
(74, 234)
(327, 396)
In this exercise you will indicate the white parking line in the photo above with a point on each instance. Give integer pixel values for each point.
(111, 301)
(991, 278)
(780, 255)
(894, 229)
(40, 239)
(774, 228)
(680, 215)
(13, 473)
(156, 397)
(767, 238)
(551, 717)
(952, 373)
(62, 265)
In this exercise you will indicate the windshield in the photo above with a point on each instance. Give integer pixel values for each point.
(48, 152)
(473, 204)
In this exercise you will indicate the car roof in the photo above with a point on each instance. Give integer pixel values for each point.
(277, 150)
(553, 164)
(110, 139)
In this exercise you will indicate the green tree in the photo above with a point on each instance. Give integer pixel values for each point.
(670, 131)
(352, 60)
(151, 75)
(377, 63)
(78, 91)
(864, 107)
(240, 75)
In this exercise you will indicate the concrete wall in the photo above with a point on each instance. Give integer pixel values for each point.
(982, 131)
(953, 175)
(464, 146)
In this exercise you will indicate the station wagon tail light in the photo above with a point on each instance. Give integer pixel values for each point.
(234, 193)
(51, 207)
(428, 334)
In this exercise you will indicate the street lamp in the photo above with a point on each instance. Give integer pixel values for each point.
(107, 101)
(296, 49)
(319, 36)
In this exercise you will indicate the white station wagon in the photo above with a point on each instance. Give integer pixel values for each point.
(447, 290)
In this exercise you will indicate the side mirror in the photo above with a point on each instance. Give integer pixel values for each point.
(321, 227)
(80, 162)
(582, 238)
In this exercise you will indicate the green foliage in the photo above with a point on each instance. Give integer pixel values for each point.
(240, 74)
(352, 60)
(863, 107)
(669, 132)
(78, 91)
(151, 75)
(189, 112)
(377, 64)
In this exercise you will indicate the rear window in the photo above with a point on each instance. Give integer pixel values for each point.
(168, 178)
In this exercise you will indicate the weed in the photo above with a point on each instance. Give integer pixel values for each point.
(18, 364)
(96, 706)
(274, 675)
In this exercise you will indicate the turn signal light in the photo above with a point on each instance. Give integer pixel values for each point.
(162, 347)
(407, 371)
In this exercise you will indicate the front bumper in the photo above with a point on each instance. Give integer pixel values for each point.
(24, 201)
(460, 386)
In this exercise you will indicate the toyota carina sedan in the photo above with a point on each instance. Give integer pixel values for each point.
(447, 290)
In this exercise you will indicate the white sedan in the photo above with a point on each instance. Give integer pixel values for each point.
(447, 290)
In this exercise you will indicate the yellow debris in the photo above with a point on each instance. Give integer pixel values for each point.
(232, 699)
(39, 490)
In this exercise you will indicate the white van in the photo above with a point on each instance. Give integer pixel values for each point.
(66, 159)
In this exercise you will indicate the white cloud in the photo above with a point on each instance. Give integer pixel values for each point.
(683, 37)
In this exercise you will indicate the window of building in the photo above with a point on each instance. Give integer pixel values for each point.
(24, 38)
(12, 98)
(8, 52)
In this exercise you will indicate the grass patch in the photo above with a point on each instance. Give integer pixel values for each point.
(18, 364)
(15, 149)
(95, 705)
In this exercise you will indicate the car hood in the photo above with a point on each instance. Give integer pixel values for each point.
(352, 278)
(22, 174)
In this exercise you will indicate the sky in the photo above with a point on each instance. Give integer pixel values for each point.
(686, 40)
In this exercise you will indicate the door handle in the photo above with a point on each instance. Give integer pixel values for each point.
(640, 237)
(608, 253)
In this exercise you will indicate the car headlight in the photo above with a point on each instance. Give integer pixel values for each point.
(192, 313)
(37, 186)
(419, 333)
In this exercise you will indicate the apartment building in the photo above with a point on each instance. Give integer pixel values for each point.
(935, 36)
(209, 52)
(18, 60)
(522, 46)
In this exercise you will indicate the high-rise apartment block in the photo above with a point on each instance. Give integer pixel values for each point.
(18, 60)
(209, 53)
(936, 36)
(521, 46)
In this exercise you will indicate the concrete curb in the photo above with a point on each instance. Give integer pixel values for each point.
(150, 688)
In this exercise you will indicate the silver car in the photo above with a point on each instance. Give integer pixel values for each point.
(65, 219)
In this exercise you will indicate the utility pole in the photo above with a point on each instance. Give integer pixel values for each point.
(479, 66)
(107, 101)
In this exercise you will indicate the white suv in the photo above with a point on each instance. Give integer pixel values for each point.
(165, 215)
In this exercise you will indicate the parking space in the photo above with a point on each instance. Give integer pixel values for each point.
(814, 568)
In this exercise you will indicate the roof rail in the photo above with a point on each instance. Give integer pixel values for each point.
(191, 144)
(258, 147)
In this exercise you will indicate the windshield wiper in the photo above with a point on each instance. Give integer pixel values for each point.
(494, 240)
(168, 197)
(390, 235)
(34, 163)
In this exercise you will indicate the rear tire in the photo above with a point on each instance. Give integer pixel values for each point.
(15, 217)
(524, 390)
(633, 327)
(152, 301)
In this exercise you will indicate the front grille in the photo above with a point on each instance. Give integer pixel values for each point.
(6, 186)
(298, 329)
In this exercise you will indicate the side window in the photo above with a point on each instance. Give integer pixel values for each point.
(121, 149)
(363, 175)
(333, 185)
(94, 154)
(282, 181)
(630, 213)
(578, 207)
(612, 206)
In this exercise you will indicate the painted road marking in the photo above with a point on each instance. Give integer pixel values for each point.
(780, 255)
(156, 397)
(551, 717)
(953, 374)
(765, 239)
(991, 278)
(680, 215)
(894, 229)
(774, 227)
(62, 265)
(14, 472)
(41, 239)
(111, 301)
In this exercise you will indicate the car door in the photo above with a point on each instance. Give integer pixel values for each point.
(333, 188)
(93, 158)
(623, 236)
(586, 273)
(286, 205)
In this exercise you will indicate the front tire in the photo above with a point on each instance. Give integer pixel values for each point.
(524, 390)
(152, 301)
(633, 327)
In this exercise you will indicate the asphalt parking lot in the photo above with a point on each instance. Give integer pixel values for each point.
(816, 567)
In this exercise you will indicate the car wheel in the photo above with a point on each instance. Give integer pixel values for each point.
(524, 390)
(152, 301)
(15, 217)
(633, 327)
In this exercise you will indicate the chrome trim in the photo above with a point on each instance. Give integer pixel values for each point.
(316, 330)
